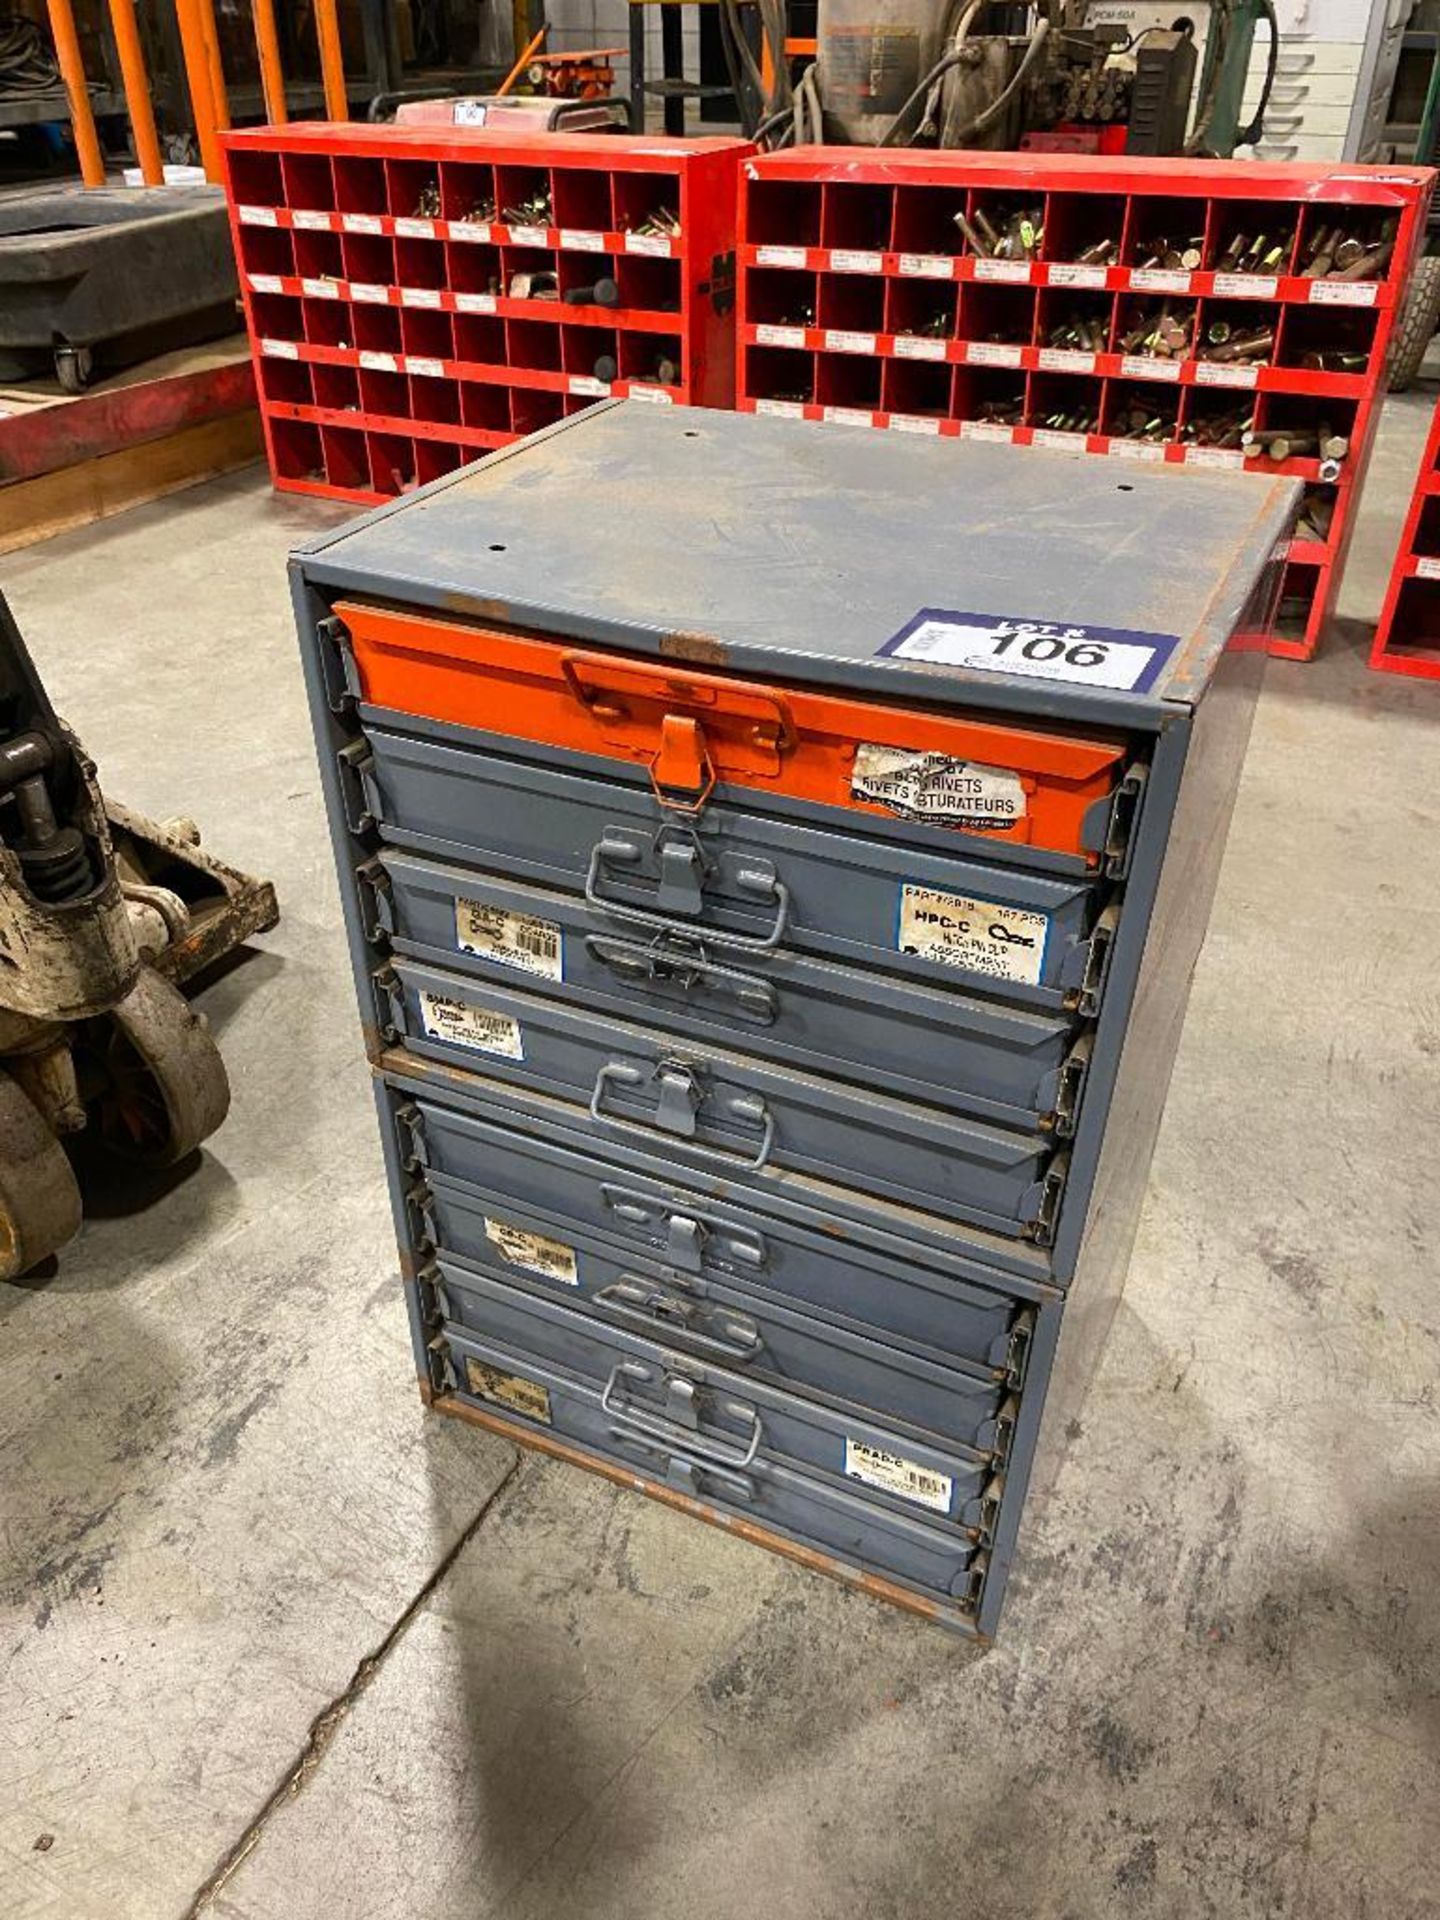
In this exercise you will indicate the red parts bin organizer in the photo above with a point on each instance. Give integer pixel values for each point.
(375, 264)
(1407, 639)
(862, 302)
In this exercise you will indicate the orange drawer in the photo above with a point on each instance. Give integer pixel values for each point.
(692, 728)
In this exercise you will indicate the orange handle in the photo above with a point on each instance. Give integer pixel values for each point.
(593, 676)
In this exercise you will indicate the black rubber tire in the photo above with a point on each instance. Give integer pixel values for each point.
(1419, 319)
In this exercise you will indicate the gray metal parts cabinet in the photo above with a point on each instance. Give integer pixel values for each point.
(773, 858)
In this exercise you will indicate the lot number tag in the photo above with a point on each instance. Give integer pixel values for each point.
(1119, 657)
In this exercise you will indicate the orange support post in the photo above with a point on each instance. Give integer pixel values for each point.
(190, 14)
(272, 74)
(218, 92)
(332, 60)
(77, 92)
(137, 92)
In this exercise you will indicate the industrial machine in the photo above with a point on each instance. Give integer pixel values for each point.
(102, 914)
(974, 73)
(771, 950)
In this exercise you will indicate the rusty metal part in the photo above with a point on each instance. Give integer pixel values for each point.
(151, 1075)
(39, 1200)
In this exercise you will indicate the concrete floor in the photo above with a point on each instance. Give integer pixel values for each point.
(277, 1647)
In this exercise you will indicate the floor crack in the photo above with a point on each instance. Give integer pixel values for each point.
(327, 1722)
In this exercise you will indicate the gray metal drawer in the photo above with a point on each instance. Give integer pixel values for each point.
(951, 1049)
(933, 1302)
(723, 1109)
(930, 1555)
(733, 1325)
(674, 1398)
(746, 881)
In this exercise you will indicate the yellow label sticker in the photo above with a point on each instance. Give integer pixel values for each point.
(533, 1251)
(508, 1390)
(518, 940)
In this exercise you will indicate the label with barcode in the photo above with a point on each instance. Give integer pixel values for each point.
(987, 937)
(1248, 286)
(926, 266)
(1343, 293)
(511, 1390)
(1070, 274)
(992, 353)
(1225, 373)
(893, 1473)
(462, 1025)
(839, 341)
(518, 940)
(534, 1252)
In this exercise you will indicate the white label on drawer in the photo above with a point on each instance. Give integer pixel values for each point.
(1137, 449)
(1427, 568)
(780, 256)
(410, 229)
(426, 368)
(266, 283)
(657, 396)
(657, 244)
(257, 216)
(992, 353)
(466, 1026)
(768, 336)
(1251, 286)
(1140, 366)
(369, 294)
(508, 1390)
(1226, 457)
(937, 788)
(849, 417)
(1059, 440)
(552, 1259)
(845, 260)
(511, 939)
(379, 362)
(1343, 293)
(1017, 271)
(529, 237)
(588, 384)
(420, 296)
(926, 266)
(913, 423)
(781, 409)
(1071, 274)
(892, 1473)
(979, 936)
(1066, 360)
(280, 349)
(581, 240)
(986, 430)
(918, 346)
(320, 289)
(1159, 280)
(361, 223)
(475, 303)
(1221, 373)
(842, 342)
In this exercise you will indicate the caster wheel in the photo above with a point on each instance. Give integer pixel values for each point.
(74, 367)
(159, 1084)
(39, 1200)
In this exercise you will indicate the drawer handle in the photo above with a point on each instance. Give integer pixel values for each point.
(687, 1475)
(683, 882)
(683, 1396)
(680, 1099)
(720, 1331)
(686, 967)
(687, 1230)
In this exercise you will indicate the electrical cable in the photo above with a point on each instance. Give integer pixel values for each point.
(952, 57)
(27, 66)
(990, 114)
(1248, 135)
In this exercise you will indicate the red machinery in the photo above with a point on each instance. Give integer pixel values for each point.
(1407, 639)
